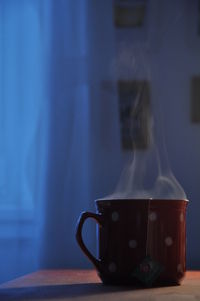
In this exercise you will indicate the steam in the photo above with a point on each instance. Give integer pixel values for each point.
(148, 175)
(149, 167)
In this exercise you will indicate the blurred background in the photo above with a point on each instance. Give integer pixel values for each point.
(71, 72)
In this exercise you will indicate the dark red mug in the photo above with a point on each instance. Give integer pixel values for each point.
(140, 241)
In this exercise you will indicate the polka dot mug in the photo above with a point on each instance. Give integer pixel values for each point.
(140, 241)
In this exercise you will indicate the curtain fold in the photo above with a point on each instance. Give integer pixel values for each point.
(66, 182)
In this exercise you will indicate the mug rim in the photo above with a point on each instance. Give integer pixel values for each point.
(112, 200)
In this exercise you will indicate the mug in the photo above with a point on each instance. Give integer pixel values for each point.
(140, 241)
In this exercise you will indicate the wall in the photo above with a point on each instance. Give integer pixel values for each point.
(168, 51)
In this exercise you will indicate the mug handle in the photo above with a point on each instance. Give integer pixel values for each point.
(98, 218)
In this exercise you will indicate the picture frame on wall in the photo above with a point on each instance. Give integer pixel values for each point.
(192, 25)
(195, 99)
(198, 19)
(133, 20)
(129, 14)
(134, 112)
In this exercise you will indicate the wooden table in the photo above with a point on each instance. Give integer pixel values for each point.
(85, 285)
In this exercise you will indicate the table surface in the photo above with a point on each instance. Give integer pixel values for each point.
(85, 285)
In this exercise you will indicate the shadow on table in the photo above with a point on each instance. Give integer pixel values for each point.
(58, 291)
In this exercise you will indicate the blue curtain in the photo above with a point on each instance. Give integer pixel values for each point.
(56, 122)
(81, 123)
(21, 108)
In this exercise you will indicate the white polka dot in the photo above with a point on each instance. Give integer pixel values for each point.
(181, 217)
(168, 241)
(152, 216)
(112, 267)
(132, 243)
(180, 268)
(115, 216)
